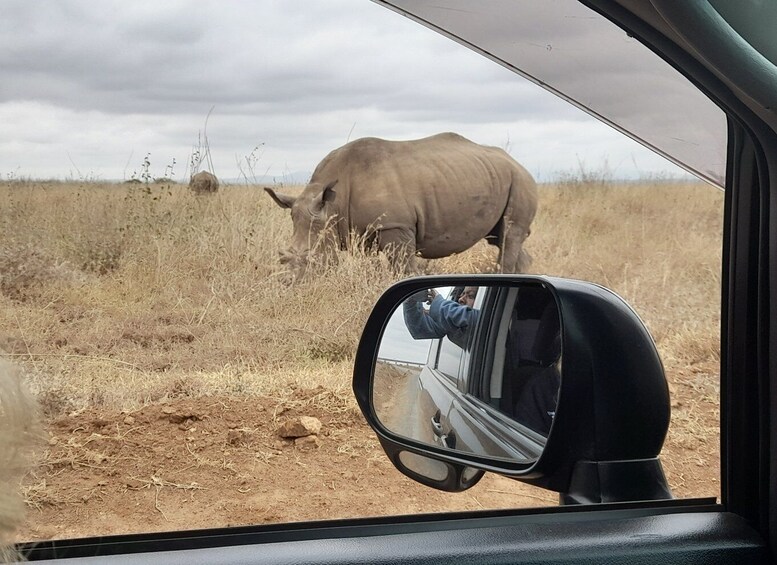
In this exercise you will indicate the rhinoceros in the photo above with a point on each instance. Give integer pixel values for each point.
(203, 182)
(430, 197)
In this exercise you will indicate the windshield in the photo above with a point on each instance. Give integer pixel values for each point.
(191, 344)
(586, 60)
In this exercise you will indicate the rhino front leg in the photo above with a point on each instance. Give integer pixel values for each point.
(399, 246)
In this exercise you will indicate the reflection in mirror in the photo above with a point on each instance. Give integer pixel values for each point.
(473, 369)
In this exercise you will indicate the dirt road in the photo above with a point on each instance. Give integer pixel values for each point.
(218, 461)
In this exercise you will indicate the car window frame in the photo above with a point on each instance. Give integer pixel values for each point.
(447, 347)
(479, 363)
(748, 270)
(747, 399)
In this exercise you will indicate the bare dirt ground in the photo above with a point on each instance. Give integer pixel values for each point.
(218, 461)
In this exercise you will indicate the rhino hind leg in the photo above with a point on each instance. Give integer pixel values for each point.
(513, 258)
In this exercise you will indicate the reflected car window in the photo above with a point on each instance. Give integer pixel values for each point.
(457, 312)
(449, 359)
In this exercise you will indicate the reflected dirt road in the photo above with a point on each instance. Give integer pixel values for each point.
(395, 396)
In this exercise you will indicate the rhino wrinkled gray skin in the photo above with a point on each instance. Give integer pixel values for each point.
(430, 197)
(204, 182)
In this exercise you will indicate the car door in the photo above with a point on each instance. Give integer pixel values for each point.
(439, 386)
(705, 46)
(442, 382)
(453, 390)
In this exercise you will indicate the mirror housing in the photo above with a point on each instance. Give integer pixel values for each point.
(613, 406)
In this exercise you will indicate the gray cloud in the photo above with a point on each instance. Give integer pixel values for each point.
(88, 87)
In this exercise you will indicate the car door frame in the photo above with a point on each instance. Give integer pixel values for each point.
(748, 372)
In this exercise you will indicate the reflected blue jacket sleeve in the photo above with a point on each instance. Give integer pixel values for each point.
(419, 323)
(450, 315)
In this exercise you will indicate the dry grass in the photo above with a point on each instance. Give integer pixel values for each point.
(120, 295)
(658, 246)
(19, 434)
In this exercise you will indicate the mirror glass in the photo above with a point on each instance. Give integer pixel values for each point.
(472, 369)
(426, 466)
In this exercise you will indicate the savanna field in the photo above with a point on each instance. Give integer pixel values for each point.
(166, 348)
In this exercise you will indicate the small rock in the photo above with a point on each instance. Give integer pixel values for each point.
(307, 442)
(300, 427)
(185, 418)
(129, 420)
(236, 437)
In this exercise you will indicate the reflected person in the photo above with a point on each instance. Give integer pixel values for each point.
(444, 318)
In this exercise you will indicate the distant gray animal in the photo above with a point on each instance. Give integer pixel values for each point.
(204, 182)
(430, 197)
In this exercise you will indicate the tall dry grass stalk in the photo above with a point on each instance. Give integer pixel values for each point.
(134, 293)
(18, 434)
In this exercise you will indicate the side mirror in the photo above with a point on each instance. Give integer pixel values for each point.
(550, 381)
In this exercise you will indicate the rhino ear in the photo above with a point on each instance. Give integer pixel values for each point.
(327, 195)
(282, 200)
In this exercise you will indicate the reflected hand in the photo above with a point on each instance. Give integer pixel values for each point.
(420, 296)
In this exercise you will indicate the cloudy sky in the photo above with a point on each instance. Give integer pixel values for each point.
(90, 88)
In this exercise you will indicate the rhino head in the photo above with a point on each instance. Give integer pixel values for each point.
(313, 214)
